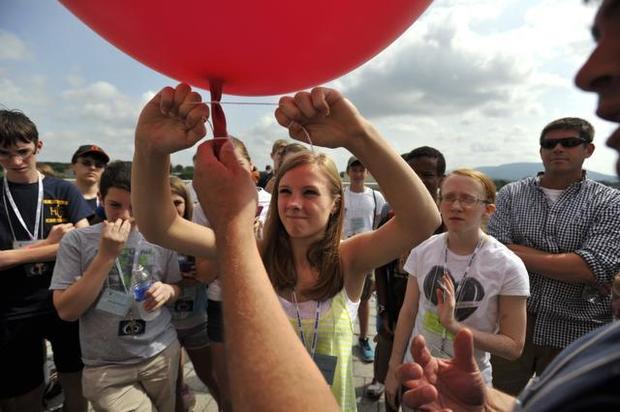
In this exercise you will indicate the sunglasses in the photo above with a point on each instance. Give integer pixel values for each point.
(565, 142)
(90, 162)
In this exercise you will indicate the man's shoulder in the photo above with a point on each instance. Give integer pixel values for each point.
(600, 189)
(527, 183)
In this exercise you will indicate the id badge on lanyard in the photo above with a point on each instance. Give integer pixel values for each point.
(325, 363)
(34, 235)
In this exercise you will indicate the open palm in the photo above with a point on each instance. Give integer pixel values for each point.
(443, 384)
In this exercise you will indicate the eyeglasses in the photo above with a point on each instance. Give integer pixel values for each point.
(566, 142)
(21, 153)
(90, 163)
(464, 200)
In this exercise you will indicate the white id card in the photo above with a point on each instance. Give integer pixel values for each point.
(115, 302)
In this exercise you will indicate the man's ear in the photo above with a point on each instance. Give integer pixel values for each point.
(38, 146)
(589, 149)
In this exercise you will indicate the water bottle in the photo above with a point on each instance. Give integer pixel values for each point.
(141, 281)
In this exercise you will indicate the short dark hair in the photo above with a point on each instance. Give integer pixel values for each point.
(427, 151)
(16, 127)
(581, 126)
(117, 174)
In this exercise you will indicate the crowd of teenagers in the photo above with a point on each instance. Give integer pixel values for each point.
(486, 300)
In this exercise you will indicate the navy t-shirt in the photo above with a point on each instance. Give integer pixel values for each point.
(25, 288)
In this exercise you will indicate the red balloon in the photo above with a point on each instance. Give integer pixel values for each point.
(253, 47)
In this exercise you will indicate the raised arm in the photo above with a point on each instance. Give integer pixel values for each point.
(332, 121)
(82, 293)
(508, 341)
(173, 120)
(286, 378)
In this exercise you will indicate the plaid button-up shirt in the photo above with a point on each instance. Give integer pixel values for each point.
(584, 220)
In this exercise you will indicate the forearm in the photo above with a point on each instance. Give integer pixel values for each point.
(286, 378)
(494, 343)
(402, 333)
(566, 267)
(154, 211)
(497, 401)
(413, 205)
(206, 270)
(14, 257)
(72, 302)
(150, 192)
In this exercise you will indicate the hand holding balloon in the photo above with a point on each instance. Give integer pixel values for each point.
(214, 177)
(329, 118)
(173, 120)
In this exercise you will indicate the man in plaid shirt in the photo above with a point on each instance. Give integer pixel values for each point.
(564, 227)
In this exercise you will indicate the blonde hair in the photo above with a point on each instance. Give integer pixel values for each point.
(323, 255)
(178, 187)
(487, 183)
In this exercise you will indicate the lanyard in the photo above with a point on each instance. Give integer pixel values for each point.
(316, 325)
(134, 265)
(34, 235)
(459, 289)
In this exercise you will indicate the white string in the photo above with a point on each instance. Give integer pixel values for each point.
(238, 103)
(309, 140)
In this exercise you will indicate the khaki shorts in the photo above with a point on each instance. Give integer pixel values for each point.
(143, 387)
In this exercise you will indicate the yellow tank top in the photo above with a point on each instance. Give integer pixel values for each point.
(335, 338)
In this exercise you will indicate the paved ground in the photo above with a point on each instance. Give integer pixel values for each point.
(205, 403)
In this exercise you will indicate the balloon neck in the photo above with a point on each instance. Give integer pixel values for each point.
(217, 112)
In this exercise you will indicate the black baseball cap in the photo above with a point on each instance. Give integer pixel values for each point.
(353, 161)
(92, 150)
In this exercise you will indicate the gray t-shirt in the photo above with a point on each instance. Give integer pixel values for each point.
(99, 330)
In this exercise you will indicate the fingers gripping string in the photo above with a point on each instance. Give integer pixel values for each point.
(308, 139)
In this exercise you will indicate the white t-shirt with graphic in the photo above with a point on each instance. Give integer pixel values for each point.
(214, 291)
(495, 271)
(361, 210)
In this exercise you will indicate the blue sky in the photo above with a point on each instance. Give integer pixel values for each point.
(477, 79)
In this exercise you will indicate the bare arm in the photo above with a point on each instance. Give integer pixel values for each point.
(42, 251)
(332, 121)
(286, 378)
(77, 298)
(173, 120)
(206, 270)
(508, 341)
(567, 267)
(402, 333)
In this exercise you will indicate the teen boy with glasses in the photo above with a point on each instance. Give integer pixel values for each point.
(35, 212)
(564, 228)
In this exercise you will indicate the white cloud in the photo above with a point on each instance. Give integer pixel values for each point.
(12, 47)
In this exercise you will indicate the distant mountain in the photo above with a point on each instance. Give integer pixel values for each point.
(516, 171)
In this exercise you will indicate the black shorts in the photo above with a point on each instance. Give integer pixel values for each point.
(215, 321)
(22, 352)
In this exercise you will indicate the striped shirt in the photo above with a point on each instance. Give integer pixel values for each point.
(584, 220)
